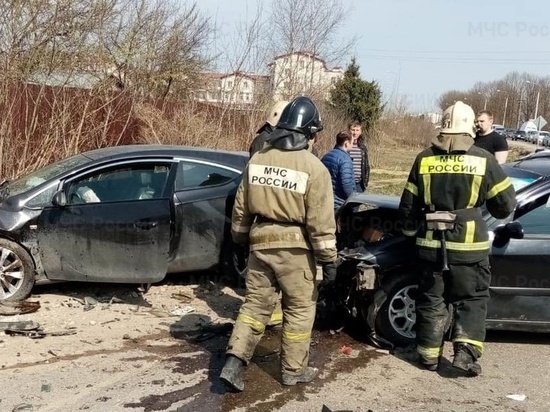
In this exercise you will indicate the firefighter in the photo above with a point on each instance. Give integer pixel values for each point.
(284, 211)
(440, 210)
(273, 116)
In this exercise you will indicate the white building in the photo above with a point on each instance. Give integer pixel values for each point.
(238, 88)
(289, 75)
(301, 72)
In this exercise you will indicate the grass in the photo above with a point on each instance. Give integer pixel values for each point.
(395, 163)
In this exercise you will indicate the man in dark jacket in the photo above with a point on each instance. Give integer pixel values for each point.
(360, 157)
(263, 132)
(339, 164)
(440, 210)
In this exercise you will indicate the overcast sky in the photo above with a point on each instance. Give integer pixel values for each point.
(422, 48)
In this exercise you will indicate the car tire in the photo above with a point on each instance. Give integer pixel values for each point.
(396, 317)
(16, 272)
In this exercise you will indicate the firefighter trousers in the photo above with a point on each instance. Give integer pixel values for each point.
(293, 272)
(465, 288)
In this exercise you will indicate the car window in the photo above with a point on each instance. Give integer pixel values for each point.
(122, 183)
(36, 178)
(192, 175)
(535, 216)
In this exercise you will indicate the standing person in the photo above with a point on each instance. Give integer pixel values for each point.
(440, 206)
(283, 209)
(273, 115)
(360, 156)
(488, 139)
(340, 166)
(259, 142)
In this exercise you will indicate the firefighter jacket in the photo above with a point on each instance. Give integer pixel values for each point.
(285, 200)
(453, 175)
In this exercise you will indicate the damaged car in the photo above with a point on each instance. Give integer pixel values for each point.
(377, 279)
(125, 214)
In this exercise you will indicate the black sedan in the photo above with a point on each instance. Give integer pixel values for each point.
(126, 214)
(520, 257)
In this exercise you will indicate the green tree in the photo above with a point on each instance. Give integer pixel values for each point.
(357, 99)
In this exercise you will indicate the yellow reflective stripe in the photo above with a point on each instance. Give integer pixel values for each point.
(429, 234)
(474, 194)
(427, 191)
(499, 187)
(463, 247)
(235, 227)
(411, 187)
(258, 326)
(324, 244)
(429, 353)
(470, 231)
(296, 337)
(463, 164)
(276, 317)
(477, 343)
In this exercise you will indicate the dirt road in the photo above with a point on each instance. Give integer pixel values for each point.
(162, 351)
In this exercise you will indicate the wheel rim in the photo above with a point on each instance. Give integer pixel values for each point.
(402, 312)
(11, 273)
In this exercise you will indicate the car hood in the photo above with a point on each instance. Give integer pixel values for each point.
(366, 201)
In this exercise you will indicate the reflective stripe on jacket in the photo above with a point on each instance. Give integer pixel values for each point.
(460, 182)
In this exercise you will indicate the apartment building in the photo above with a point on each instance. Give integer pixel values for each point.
(289, 75)
(301, 72)
(237, 88)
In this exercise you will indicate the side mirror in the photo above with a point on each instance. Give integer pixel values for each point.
(59, 199)
(512, 230)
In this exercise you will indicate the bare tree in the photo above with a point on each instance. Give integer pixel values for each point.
(311, 27)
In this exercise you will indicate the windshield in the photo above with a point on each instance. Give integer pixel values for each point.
(36, 178)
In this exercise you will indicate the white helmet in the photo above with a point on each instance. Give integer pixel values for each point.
(274, 113)
(459, 119)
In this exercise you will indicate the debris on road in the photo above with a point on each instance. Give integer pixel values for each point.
(346, 350)
(182, 311)
(517, 397)
(18, 308)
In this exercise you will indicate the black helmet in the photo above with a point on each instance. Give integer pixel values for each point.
(302, 116)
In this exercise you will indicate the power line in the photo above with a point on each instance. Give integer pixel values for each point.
(485, 52)
(468, 60)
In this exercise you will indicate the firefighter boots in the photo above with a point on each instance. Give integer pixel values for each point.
(232, 373)
(307, 376)
(465, 359)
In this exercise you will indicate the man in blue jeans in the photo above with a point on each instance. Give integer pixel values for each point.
(340, 166)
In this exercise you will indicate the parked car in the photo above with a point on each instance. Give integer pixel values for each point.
(545, 139)
(534, 137)
(520, 257)
(509, 133)
(520, 135)
(126, 214)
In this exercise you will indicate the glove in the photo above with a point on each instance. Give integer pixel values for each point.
(326, 286)
(329, 272)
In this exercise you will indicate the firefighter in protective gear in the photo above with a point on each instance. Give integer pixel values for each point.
(272, 118)
(284, 211)
(450, 181)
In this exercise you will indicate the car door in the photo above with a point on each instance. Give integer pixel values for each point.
(203, 195)
(520, 286)
(115, 226)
